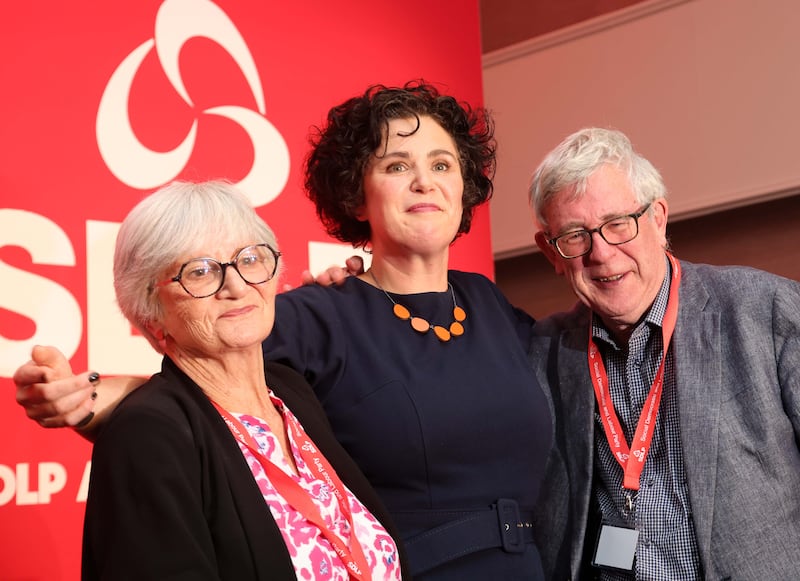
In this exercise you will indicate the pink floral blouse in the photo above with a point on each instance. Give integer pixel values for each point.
(312, 555)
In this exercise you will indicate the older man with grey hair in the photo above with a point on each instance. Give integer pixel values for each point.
(676, 387)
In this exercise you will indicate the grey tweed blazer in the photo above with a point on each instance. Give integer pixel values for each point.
(737, 366)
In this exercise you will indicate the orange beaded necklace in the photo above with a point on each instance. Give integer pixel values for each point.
(421, 325)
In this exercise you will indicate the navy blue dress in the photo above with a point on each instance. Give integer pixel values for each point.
(442, 430)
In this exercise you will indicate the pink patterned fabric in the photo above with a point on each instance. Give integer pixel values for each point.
(312, 555)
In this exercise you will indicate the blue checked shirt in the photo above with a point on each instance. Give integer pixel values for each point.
(667, 547)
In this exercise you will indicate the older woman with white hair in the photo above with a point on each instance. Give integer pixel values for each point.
(220, 466)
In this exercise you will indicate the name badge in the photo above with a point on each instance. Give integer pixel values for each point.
(616, 548)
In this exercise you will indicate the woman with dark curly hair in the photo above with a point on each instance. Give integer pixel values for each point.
(422, 371)
(355, 134)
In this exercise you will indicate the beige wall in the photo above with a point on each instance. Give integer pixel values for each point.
(763, 236)
(708, 90)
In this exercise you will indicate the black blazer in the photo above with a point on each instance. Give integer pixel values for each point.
(171, 496)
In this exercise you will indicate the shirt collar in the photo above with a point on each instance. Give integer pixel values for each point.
(655, 315)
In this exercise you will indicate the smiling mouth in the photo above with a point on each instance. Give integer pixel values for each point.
(237, 312)
(610, 278)
(423, 208)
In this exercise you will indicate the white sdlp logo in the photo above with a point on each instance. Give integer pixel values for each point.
(17, 483)
(137, 166)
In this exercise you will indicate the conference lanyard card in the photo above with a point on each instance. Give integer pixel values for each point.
(616, 548)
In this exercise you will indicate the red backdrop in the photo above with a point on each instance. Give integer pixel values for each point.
(102, 102)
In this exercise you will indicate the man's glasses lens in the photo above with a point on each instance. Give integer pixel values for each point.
(616, 231)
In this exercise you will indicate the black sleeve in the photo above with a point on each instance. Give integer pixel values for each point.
(144, 514)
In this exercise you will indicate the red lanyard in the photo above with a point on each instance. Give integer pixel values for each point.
(295, 495)
(633, 462)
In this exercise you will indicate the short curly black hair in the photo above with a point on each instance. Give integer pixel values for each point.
(340, 152)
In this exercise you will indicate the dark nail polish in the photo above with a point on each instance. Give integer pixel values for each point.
(94, 377)
(85, 420)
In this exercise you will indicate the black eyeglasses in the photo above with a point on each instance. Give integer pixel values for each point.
(203, 277)
(615, 231)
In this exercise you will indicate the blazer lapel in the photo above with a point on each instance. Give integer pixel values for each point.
(578, 407)
(698, 381)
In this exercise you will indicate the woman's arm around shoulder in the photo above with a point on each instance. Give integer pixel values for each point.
(53, 397)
